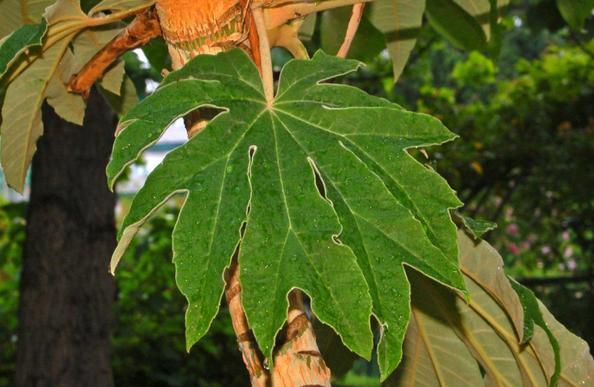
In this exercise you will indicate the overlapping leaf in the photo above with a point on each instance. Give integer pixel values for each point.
(43, 73)
(378, 210)
(454, 342)
(400, 21)
(21, 111)
(23, 38)
(460, 21)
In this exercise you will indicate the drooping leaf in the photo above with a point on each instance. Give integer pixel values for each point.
(17, 13)
(577, 365)
(265, 165)
(400, 21)
(575, 12)
(308, 27)
(453, 341)
(21, 111)
(533, 316)
(481, 11)
(114, 77)
(88, 43)
(126, 100)
(10, 17)
(456, 24)
(32, 11)
(366, 44)
(23, 39)
(70, 107)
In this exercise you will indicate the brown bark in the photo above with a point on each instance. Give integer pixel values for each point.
(298, 361)
(66, 291)
(252, 357)
(139, 32)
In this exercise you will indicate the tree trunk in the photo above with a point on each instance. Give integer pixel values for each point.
(66, 291)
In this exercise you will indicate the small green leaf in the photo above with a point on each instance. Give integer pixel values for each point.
(317, 178)
(23, 39)
(476, 227)
(457, 25)
(533, 316)
(575, 12)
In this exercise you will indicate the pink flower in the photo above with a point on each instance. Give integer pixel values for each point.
(512, 229)
(513, 248)
(568, 252)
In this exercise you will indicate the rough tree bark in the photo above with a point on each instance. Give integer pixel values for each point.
(66, 290)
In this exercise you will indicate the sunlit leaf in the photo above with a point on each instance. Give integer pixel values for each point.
(21, 111)
(455, 341)
(258, 163)
(400, 21)
(70, 107)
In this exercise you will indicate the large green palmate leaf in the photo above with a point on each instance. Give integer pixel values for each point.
(373, 210)
(485, 341)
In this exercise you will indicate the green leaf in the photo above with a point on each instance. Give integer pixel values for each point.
(318, 180)
(23, 39)
(476, 227)
(457, 25)
(481, 11)
(575, 12)
(533, 316)
(366, 44)
(400, 21)
(157, 54)
(457, 341)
